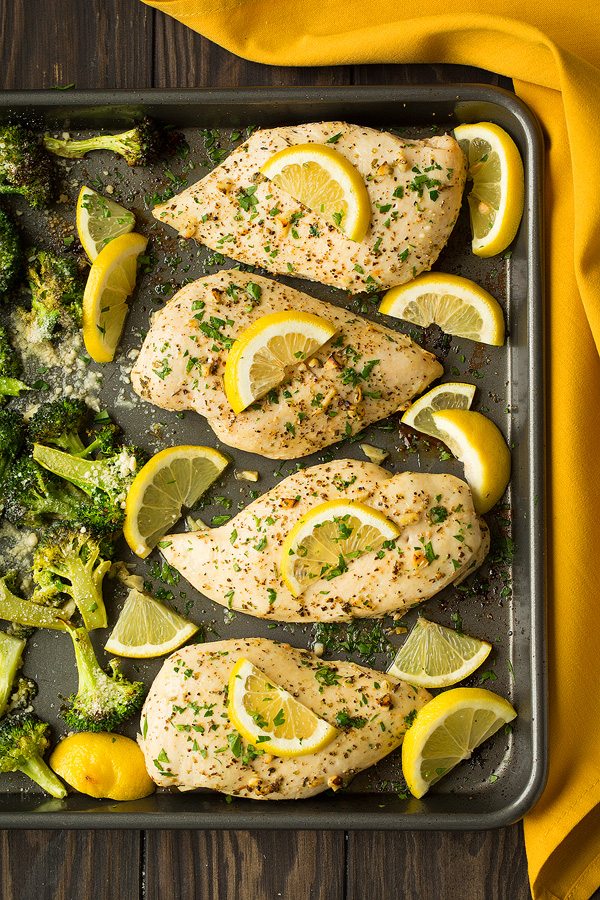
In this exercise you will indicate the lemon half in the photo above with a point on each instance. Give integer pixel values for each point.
(258, 708)
(497, 197)
(103, 765)
(326, 182)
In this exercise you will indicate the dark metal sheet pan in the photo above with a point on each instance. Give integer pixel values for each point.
(503, 602)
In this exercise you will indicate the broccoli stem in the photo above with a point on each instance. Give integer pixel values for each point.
(11, 653)
(86, 474)
(12, 387)
(71, 149)
(43, 775)
(86, 595)
(88, 668)
(24, 612)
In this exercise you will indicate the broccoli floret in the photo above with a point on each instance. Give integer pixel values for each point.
(25, 167)
(10, 368)
(23, 693)
(11, 656)
(139, 146)
(70, 562)
(102, 701)
(61, 424)
(10, 252)
(56, 293)
(12, 435)
(27, 612)
(23, 742)
(33, 497)
(105, 480)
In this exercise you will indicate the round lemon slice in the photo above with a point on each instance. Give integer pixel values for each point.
(480, 447)
(265, 352)
(99, 220)
(447, 730)
(323, 543)
(147, 628)
(110, 282)
(269, 718)
(458, 305)
(450, 395)
(326, 182)
(434, 656)
(173, 479)
(497, 197)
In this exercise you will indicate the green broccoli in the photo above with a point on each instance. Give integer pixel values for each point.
(70, 562)
(10, 252)
(27, 612)
(56, 287)
(23, 742)
(61, 423)
(33, 497)
(11, 656)
(12, 435)
(105, 480)
(139, 146)
(25, 167)
(10, 368)
(102, 701)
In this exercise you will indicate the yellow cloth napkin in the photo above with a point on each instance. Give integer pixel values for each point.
(551, 48)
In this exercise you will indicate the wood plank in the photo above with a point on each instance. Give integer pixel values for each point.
(437, 864)
(65, 865)
(261, 865)
(95, 44)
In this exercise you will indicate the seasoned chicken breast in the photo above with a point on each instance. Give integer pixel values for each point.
(185, 728)
(366, 372)
(414, 187)
(441, 540)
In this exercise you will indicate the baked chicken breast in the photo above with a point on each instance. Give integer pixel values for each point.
(414, 186)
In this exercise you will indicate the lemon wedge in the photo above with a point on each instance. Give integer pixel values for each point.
(269, 718)
(447, 730)
(434, 656)
(103, 765)
(450, 395)
(173, 479)
(147, 628)
(458, 305)
(480, 447)
(497, 197)
(326, 182)
(99, 220)
(267, 350)
(110, 282)
(323, 543)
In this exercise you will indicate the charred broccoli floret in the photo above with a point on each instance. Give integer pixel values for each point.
(69, 562)
(23, 742)
(106, 480)
(11, 656)
(10, 368)
(56, 289)
(25, 167)
(12, 435)
(102, 701)
(61, 424)
(10, 252)
(28, 613)
(139, 146)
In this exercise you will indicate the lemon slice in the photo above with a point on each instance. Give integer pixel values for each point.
(450, 395)
(497, 197)
(147, 628)
(447, 730)
(260, 709)
(110, 282)
(434, 656)
(323, 543)
(173, 479)
(324, 181)
(480, 447)
(267, 350)
(100, 220)
(458, 305)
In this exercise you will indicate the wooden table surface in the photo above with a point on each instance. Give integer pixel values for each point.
(123, 44)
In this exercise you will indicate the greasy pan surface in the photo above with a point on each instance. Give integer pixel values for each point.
(503, 602)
